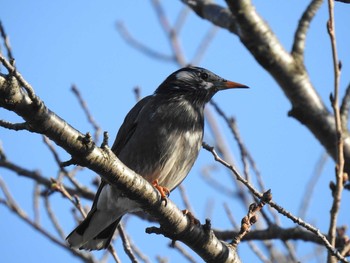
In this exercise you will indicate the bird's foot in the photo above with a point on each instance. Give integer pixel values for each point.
(193, 220)
(164, 192)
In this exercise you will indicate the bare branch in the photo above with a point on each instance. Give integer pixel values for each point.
(214, 13)
(251, 244)
(170, 33)
(203, 45)
(221, 188)
(309, 188)
(39, 178)
(112, 251)
(181, 19)
(303, 26)
(126, 244)
(14, 126)
(79, 187)
(185, 199)
(53, 218)
(6, 42)
(251, 218)
(36, 204)
(57, 186)
(233, 169)
(140, 46)
(337, 191)
(86, 110)
(23, 83)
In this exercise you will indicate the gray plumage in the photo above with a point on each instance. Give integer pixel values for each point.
(159, 139)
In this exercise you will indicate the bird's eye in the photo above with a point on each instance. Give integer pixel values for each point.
(204, 76)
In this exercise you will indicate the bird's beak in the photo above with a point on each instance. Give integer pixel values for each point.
(226, 84)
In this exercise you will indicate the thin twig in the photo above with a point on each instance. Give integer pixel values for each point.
(216, 184)
(39, 178)
(185, 198)
(63, 170)
(87, 112)
(59, 187)
(170, 33)
(13, 71)
(53, 217)
(246, 157)
(181, 19)
(6, 42)
(14, 126)
(203, 45)
(251, 244)
(303, 26)
(310, 186)
(337, 191)
(36, 203)
(126, 244)
(139, 253)
(138, 45)
(251, 217)
(113, 252)
(278, 208)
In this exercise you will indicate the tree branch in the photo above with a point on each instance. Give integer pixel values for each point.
(336, 193)
(303, 26)
(214, 13)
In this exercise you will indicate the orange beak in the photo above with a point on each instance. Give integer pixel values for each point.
(226, 84)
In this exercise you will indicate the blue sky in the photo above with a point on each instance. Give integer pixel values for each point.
(60, 43)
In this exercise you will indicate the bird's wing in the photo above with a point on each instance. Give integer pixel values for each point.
(124, 134)
(129, 125)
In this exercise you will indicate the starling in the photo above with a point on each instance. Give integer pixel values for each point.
(159, 139)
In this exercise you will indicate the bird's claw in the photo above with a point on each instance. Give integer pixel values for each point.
(164, 192)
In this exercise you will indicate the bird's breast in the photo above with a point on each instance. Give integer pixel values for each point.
(178, 159)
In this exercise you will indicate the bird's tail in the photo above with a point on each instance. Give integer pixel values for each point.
(95, 232)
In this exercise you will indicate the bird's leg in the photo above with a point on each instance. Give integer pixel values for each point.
(164, 192)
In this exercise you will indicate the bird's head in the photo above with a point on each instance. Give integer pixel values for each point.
(195, 83)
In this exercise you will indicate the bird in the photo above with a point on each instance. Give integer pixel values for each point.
(159, 139)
